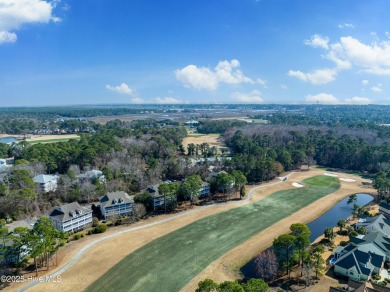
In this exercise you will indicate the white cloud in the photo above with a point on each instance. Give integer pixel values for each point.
(346, 25)
(206, 78)
(321, 76)
(167, 100)
(123, 88)
(16, 13)
(377, 88)
(251, 97)
(374, 58)
(325, 98)
(262, 82)
(358, 100)
(365, 82)
(137, 100)
(7, 37)
(318, 41)
(283, 86)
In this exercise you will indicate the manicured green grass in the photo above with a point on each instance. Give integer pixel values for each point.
(200, 134)
(170, 262)
(52, 140)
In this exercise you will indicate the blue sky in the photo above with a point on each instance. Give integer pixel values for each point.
(199, 51)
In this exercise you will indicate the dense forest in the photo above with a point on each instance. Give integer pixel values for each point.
(133, 155)
(262, 152)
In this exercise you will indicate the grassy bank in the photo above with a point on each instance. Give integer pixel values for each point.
(170, 262)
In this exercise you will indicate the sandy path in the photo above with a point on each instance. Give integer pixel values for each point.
(99, 259)
(226, 267)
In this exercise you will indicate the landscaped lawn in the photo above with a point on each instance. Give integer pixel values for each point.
(170, 262)
(52, 140)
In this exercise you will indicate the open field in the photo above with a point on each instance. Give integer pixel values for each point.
(32, 142)
(194, 247)
(103, 256)
(211, 139)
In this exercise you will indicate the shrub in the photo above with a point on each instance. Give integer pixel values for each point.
(82, 235)
(118, 222)
(77, 237)
(90, 232)
(95, 222)
(101, 228)
(387, 280)
(343, 243)
(376, 277)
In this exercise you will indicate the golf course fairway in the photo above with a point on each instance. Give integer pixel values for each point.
(171, 261)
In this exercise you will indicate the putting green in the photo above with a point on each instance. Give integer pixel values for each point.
(170, 262)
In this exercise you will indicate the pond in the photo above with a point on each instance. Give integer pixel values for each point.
(340, 211)
(329, 219)
(8, 140)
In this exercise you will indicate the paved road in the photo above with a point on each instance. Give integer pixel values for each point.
(91, 244)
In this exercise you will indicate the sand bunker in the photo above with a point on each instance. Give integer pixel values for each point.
(282, 178)
(330, 174)
(297, 185)
(347, 179)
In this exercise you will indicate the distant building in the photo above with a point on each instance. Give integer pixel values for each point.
(192, 123)
(47, 183)
(70, 217)
(116, 204)
(204, 190)
(92, 175)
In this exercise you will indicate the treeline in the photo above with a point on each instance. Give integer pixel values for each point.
(263, 152)
(350, 115)
(25, 126)
(218, 126)
(79, 111)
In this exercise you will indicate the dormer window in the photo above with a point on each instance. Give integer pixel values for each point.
(78, 212)
(72, 214)
(114, 201)
(120, 200)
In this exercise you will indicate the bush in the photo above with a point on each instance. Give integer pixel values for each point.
(95, 222)
(353, 233)
(77, 237)
(118, 222)
(343, 243)
(90, 232)
(387, 280)
(82, 235)
(101, 228)
(376, 277)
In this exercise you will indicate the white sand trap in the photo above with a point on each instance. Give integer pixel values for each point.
(282, 178)
(347, 179)
(297, 185)
(330, 174)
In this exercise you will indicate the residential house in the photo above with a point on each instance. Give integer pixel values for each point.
(384, 209)
(158, 200)
(47, 183)
(91, 176)
(204, 190)
(359, 265)
(70, 217)
(374, 242)
(357, 286)
(116, 204)
(375, 224)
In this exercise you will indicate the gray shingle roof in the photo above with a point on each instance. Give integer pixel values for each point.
(363, 261)
(68, 211)
(114, 198)
(44, 178)
(378, 223)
